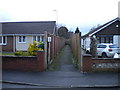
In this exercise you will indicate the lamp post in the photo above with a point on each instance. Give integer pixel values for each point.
(56, 16)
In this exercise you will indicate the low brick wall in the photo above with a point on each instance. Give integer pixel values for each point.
(26, 63)
(104, 64)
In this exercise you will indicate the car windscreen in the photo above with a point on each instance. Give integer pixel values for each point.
(101, 46)
(113, 46)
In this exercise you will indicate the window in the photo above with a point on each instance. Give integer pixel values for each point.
(22, 39)
(111, 39)
(0, 39)
(42, 39)
(113, 46)
(38, 38)
(107, 39)
(34, 38)
(98, 39)
(102, 40)
(3, 40)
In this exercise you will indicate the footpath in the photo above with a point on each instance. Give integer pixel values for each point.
(66, 76)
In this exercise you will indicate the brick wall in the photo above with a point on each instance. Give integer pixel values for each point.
(104, 64)
(9, 45)
(26, 63)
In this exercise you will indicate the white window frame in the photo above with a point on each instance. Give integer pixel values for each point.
(3, 40)
(36, 38)
(42, 38)
(22, 39)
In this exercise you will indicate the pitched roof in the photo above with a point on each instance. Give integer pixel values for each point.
(90, 33)
(28, 27)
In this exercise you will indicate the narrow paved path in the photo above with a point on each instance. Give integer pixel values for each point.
(65, 63)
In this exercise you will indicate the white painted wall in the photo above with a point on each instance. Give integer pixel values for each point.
(82, 43)
(116, 40)
(0, 28)
(23, 46)
(86, 42)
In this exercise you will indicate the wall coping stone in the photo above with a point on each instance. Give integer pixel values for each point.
(105, 58)
(88, 55)
(19, 56)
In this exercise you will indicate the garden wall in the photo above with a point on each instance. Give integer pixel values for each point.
(24, 63)
(100, 64)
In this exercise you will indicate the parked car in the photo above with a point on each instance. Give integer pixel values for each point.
(107, 50)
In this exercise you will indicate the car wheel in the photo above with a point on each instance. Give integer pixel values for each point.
(104, 55)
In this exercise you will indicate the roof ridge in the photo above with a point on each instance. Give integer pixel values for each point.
(28, 27)
(28, 22)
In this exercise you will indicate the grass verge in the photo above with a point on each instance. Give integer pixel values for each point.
(7, 53)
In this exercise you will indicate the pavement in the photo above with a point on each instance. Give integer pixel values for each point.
(66, 76)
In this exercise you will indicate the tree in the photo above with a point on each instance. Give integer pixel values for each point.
(77, 30)
(94, 27)
(93, 47)
(63, 32)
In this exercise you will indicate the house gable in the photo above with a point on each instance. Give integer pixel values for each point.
(104, 34)
(108, 28)
(112, 29)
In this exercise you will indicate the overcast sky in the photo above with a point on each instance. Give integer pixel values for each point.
(71, 13)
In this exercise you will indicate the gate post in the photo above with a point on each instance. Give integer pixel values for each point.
(79, 51)
(86, 63)
(45, 49)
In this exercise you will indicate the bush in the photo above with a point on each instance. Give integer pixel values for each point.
(41, 45)
(18, 53)
(32, 50)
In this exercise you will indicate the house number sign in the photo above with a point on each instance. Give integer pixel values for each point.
(49, 39)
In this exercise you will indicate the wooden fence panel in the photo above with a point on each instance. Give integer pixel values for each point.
(76, 48)
(53, 47)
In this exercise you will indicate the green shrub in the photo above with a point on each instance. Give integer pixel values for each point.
(41, 45)
(32, 50)
(18, 53)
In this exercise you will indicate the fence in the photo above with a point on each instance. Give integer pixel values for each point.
(53, 45)
(76, 48)
(26, 63)
(100, 64)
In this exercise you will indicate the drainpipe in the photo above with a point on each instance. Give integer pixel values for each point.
(14, 43)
